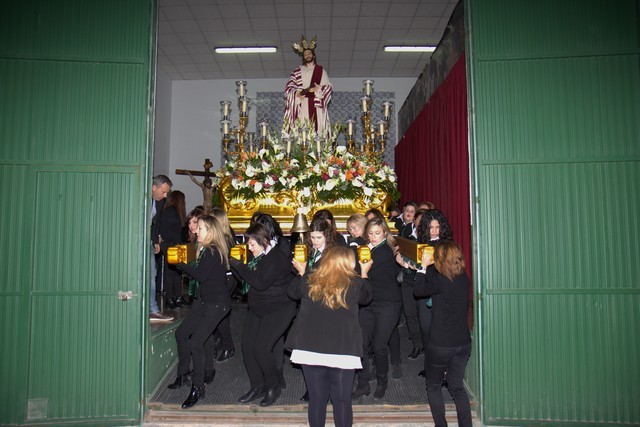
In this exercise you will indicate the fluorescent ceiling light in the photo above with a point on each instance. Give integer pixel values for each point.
(252, 49)
(409, 48)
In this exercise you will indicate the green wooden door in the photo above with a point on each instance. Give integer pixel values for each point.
(557, 158)
(74, 149)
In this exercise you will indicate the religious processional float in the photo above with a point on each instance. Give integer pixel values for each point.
(298, 171)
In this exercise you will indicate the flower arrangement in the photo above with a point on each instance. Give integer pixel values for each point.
(313, 178)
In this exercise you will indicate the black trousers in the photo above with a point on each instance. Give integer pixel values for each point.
(171, 280)
(424, 317)
(394, 347)
(224, 332)
(259, 336)
(410, 309)
(453, 360)
(377, 320)
(326, 383)
(192, 334)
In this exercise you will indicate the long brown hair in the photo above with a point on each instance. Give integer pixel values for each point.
(215, 237)
(196, 213)
(330, 282)
(449, 259)
(221, 215)
(176, 199)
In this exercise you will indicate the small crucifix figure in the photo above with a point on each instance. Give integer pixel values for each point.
(206, 185)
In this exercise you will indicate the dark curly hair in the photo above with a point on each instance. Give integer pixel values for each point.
(423, 229)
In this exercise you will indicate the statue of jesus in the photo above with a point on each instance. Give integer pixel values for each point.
(308, 92)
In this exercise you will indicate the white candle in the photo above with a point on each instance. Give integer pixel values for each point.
(264, 129)
(318, 146)
(241, 85)
(244, 104)
(381, 124)
(387, 107)
(365, 107)
(225, 108)
(367, 87)
(225, 127)
(288, 146)
(350, 127)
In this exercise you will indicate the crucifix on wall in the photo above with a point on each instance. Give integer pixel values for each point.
(206, 185)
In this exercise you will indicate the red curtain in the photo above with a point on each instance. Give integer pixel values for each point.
(432, 158)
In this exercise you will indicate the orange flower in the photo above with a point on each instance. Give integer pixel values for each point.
(361, 171)
(253, 182)
(349, 175)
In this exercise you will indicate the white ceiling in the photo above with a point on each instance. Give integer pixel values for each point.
(351, 36)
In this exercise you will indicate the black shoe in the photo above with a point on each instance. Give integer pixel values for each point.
(208, 376)
(253, 394)
(179, 382)
(415, 353)
(170, 303)
(445, 384)
(225, 355)
(305, 396)
(271, 396)
(363, 389)
(381, 389)
(421, 374)
(194, 396)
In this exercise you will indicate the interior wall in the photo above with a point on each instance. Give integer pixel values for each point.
(162, 133)
(196, 113)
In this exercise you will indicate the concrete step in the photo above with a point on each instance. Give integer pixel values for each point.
(290, 415)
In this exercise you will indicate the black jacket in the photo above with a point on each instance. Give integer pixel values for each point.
(211, 273)
(169, 228)
(269, 282)
(450, 305)
(322, 330)
(384, 275)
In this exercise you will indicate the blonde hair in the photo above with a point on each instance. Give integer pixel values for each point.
(382, 223)
(215, 237)
(221, 215)
(330, 282)
(359, 220)
(449, 259)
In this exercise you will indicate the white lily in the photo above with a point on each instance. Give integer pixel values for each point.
(251, 171)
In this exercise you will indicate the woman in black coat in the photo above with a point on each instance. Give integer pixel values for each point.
(380, 317)
(170, 223)
(446, 280)
(266, 278)
(326, 338)
(433, 229)
(212, 305)
(320, 238)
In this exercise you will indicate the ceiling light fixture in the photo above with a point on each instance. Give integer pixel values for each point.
(252, 49)
(409, 48)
